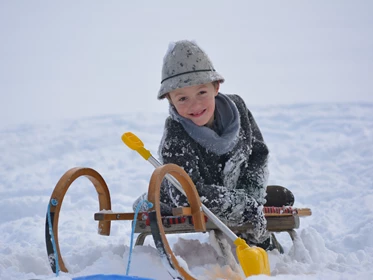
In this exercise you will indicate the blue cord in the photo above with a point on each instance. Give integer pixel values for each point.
(54, 202)
(150, 205)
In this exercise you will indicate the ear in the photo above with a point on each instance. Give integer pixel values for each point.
(169, 98)
(216, 86)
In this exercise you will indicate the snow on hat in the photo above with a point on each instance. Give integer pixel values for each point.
(186, 64)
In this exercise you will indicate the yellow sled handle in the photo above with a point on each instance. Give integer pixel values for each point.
(134, 143)
(253, 260)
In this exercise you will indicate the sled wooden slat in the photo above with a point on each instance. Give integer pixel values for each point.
(116, 216)
(186, 211)
(181, 211)
(303, 212)
(279, 222)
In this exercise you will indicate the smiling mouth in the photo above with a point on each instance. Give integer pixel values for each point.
(198, 113)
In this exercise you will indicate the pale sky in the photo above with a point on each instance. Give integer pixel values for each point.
(68, 59)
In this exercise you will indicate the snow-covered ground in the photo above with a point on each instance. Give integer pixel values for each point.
(322, 152)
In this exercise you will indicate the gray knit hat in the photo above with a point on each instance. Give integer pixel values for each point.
(185, 65)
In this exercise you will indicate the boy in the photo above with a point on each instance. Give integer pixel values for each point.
(215, 139)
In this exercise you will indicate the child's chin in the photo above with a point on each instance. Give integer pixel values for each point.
(200, 123)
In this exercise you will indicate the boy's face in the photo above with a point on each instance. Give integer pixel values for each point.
(196, 103)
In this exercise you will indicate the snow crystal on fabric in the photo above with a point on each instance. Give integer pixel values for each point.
(232, 170)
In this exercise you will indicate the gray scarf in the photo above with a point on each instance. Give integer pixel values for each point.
(226, 126)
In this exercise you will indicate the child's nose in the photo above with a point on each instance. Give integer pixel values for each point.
(195, 101)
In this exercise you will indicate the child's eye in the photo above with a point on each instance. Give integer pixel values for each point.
(202, 92)
(182, 99)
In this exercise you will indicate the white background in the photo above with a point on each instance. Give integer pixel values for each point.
(67, 59)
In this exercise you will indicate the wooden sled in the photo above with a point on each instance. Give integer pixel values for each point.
(184, 220)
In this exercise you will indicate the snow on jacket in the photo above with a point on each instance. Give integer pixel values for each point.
(231, 185)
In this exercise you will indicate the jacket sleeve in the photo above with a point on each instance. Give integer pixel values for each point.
(255, 172)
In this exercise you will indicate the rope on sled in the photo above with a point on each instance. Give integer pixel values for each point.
(138, 207)
(53, 202)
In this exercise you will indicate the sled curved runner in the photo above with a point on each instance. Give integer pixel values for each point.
(55, 206)
(156, 224)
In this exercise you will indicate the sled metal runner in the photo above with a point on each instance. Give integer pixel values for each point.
(184, 220)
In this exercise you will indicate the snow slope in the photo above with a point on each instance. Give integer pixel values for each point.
(322, 152)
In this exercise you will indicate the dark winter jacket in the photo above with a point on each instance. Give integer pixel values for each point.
(231, 185)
